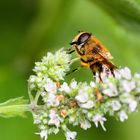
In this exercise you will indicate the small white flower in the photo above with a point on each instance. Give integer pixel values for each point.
(42, 127)
(125, 97)
(64, 87)
(128, 86)
(32, 78)
(73, 84)
(98, 118)
(50, 86)
(43, 94)
(52, 100)
(62, 57)
(54, 121)
(128, 99)
(37, 119)
(45, 121)
(126, 73)
(43, 134)
(71, 119)
(82, 97)
(85, 125)
(117, 74)
(115, 105)
(54, 118)
(132, 105)
(38, 79)
(92, 84)
(137, 76)
(110, 89)
(70, 135)
(89, 104)
(60, 73)
(109, 92)
(123, 116)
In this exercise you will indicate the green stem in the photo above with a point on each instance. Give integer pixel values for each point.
(36, 98)
(30, 95)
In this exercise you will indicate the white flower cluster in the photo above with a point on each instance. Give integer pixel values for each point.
(56, 104)
(53, 66)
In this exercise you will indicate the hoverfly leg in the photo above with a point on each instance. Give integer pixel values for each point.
(93, 68)
(94, 75)
(100, 78)
(100, 70)
(112, 72)
(112, 68)
(74, 70)
(107, 71)
(70, 50)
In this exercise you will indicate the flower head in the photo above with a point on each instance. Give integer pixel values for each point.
(57, 103)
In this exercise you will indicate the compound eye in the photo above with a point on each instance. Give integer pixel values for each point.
(83, 38)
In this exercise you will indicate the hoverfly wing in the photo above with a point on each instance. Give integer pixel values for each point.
(99, 54)
(101, 49)
(102, 57)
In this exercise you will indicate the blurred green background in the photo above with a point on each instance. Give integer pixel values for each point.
(31, 28)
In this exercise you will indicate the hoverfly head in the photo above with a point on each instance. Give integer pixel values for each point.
(81, 39)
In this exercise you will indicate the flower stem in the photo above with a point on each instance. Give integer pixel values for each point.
(36, 98)
(14, 107)
(30, 95)
(14, 110)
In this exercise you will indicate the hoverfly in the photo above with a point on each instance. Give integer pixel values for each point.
(92, 54)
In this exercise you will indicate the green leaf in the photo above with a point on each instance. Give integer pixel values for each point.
(14, 107)
(126, 12)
